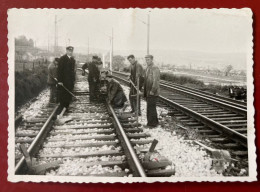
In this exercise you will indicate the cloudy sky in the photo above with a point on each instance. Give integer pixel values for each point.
(171, 29)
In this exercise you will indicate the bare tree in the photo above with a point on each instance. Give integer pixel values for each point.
(228, 69)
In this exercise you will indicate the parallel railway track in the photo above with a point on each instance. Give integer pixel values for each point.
(95, 143)
(221, 120)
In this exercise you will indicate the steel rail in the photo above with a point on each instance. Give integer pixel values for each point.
(128, 149)
(239, 107)
(133, 160)
(37, 141)
(234, 135)
(211, 95)
(229, 101)
(235, 109)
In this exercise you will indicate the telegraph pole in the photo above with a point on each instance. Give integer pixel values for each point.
(112, 42)
(55, 35)
(48, 49)
(88, 45)
(148, 33)
(111, 52)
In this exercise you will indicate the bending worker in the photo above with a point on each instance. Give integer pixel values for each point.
(151, 90)
(116, 95)
(66, 76)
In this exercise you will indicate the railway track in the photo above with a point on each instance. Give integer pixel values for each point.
(96, 142)
(27, 129)
(218, 119)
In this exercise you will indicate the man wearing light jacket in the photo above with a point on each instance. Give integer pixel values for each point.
(151, 90)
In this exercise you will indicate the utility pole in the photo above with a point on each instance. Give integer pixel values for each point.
(104, 62)
(48, 49)
(55, 35)
(88, 45)
(148, 32)
(111, 52)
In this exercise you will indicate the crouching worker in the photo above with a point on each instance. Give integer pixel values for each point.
(52, 81)
(115, 93)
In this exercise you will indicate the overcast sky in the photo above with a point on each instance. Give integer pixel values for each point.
(171, 29)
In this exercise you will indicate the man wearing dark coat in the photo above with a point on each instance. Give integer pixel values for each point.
(93, 78)
(151, 90)
(66, 76)
(136, 72)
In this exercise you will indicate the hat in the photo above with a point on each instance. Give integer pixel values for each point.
(57, 59)
(149, 56)
(70, 48)
(104, 71)
(95, 57)
(109, 75)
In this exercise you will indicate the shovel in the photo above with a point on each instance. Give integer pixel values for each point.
(217, 154)
(65, 88)
(62, 120)
(151, 150)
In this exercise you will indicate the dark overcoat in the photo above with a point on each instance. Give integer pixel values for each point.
(66, 75)
(66, 71)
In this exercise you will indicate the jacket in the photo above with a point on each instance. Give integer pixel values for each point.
(93, 72)
(66, 71)
(114, 88)
(152, 81)
(136, 70)
(52, 73)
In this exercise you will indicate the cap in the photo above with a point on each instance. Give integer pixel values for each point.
(109, 75)
(70, 48)
(95, 57)
(57, 59)
(149, 56)
(104, 71)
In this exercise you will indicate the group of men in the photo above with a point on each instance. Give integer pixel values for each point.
(62, 76)
(149, 80)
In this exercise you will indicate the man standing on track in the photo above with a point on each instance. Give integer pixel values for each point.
(93, 78)
(66, 76)
(151, 90)
(52, 77)
(136, 72)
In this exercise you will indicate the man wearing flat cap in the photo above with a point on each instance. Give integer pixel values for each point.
(151, 90)
(93, 78)
(66, 76)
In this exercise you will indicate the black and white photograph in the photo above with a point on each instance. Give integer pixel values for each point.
(130, 95)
